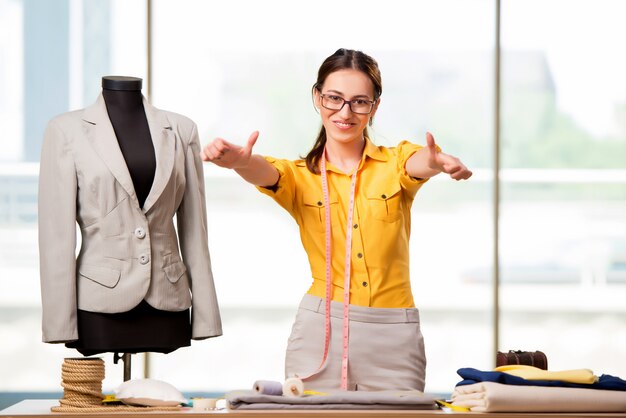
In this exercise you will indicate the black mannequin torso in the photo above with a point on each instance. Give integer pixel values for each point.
(124, 103)
(143, 328)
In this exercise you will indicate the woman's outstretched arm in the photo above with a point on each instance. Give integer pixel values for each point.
(252, 168)
(429, 161)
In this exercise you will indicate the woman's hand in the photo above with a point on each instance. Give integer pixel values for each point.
(252, 168)
(228, 155)
(445, 163)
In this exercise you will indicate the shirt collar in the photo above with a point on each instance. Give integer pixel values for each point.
(373, 151)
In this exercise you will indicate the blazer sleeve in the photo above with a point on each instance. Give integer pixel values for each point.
(193, 238)
(57, 236)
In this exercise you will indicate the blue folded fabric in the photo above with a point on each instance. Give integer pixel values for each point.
(471, 376)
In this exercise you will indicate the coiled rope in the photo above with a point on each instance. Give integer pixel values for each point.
(82, 389)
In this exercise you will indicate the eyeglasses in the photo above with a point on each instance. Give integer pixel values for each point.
(358, 106)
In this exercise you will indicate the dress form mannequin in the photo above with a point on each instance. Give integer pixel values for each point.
(124, 102)
(143, 328)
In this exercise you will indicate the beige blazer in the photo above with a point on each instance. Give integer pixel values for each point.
(127, 253)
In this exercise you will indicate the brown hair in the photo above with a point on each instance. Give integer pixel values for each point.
(342, 59)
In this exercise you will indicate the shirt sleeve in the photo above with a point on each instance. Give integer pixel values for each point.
(283, 192)
(404, 151)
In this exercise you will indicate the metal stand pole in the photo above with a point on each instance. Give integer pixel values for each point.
(127, 360)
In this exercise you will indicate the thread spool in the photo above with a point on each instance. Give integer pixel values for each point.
(268, 387)
(204, 404)
(293, 387)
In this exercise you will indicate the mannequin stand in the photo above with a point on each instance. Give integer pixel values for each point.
(126, 358)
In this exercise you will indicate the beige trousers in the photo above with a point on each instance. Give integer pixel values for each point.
(385, 352)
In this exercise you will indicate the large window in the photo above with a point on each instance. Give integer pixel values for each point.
(563, 223)
(53, 55)
(238, 66)
(261, 79)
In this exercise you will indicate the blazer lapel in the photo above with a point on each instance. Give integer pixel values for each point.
(164, 142)
(102, 137)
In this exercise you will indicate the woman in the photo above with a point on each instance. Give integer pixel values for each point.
(352, 201)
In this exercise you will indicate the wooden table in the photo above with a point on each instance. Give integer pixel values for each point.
(41, 408)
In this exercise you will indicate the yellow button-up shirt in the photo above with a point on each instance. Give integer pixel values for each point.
(381, 223)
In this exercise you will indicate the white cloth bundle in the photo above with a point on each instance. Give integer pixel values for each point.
(498, 397)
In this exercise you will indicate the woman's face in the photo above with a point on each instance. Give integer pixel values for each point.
(344, 125)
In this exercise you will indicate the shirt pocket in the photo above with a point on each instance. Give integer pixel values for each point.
(314, 211)
(385, 202)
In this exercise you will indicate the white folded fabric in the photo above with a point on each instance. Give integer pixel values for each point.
(498, 397)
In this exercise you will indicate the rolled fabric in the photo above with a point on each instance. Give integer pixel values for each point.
(293, 387)
(268, 387)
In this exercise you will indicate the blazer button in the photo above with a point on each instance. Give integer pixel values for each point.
(140, 233)
(144, 259)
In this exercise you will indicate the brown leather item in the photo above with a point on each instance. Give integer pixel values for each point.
(529, 358)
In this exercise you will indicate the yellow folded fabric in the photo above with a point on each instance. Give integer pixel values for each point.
(584, 376)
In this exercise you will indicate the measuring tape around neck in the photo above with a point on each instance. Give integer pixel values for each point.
(346, 284)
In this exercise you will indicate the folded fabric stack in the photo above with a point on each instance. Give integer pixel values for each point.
(250, 399)
(518, 388)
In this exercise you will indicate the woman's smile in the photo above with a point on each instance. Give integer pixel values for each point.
(343, 125)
